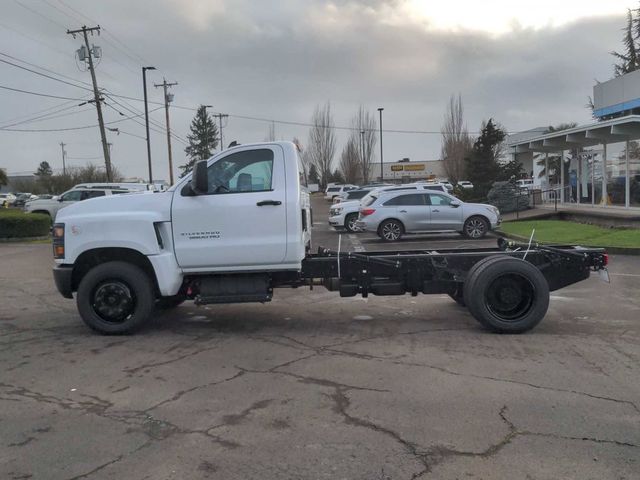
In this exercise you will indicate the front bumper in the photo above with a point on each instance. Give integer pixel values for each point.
(62, 275)
(336, 221)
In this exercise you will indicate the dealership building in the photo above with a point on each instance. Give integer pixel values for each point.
(597, 164)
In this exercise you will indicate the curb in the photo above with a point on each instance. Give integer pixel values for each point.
(614, 250)
(23, 239)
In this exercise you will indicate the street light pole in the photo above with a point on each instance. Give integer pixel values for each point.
(146, 118)
(381, 170)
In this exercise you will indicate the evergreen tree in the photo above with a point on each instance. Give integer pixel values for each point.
(313, 174)
(44, 170)
(482, 165)
(629, 61)
(3, 177)
(203, 139)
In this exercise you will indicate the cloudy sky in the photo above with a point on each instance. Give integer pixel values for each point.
(525, 63)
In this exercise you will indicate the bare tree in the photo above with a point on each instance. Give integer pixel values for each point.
(365, 121)
(322, 142)
(350, 161)
(456, 142)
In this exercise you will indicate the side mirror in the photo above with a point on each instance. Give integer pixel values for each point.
(455, 203)
(59, 198)
(200, 178)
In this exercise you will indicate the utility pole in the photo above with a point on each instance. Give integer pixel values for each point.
(220, 117)
(90, 52)
(381, 166)
(146, 119)
(168, 97)
(64, 154)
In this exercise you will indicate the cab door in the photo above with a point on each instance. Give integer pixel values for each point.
(242, 219)
(444, 216)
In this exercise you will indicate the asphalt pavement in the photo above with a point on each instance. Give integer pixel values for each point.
(314, 386)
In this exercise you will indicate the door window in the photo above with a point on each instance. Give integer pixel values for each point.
(72, 196)
(439, 200)
(248, 171)
(407, 200)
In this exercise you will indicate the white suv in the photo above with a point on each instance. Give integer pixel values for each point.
(337, 190)
(345, 214)
(52, 205)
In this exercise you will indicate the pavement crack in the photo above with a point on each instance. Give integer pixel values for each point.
(110, 462)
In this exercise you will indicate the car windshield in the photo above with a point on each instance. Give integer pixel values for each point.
(333, 189)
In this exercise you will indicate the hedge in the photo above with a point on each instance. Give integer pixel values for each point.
(17, 224)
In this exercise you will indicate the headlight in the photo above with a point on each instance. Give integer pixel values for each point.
(336, 211)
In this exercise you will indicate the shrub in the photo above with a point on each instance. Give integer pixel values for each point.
(17, 224)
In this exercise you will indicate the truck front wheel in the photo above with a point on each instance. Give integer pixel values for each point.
(115, 298)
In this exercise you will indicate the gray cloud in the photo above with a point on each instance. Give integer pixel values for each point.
(279, 59)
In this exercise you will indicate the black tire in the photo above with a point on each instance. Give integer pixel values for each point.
(506, 294)
(115, 298)
(167, 303)
(475, 227)
(349, 223)
(391, 230)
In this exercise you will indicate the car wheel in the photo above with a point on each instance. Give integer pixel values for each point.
(350, 222)
(115, 298)
(475, 227)
(391, 230)
(506, 294)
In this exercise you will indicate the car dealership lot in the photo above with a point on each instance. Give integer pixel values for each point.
(312, 385)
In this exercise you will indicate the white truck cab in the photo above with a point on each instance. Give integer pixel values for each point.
(245, 210)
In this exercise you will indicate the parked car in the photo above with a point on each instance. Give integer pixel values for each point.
(336, 190)
(52, 205)
(345, 214)
(22, 198)
(351, 195)
(525, 183)
(7, 199)
(394, 214)
(466, 184)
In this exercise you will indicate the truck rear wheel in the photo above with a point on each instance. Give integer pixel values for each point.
(115, 298)
(506, 294)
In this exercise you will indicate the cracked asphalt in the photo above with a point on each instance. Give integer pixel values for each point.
(314, 386)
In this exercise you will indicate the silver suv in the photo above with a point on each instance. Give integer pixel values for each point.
(51, 206)
(393, 214)
(345, 213)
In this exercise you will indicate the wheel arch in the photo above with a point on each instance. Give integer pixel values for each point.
(97, 256)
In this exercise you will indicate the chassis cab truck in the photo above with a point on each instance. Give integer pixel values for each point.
(239, 226)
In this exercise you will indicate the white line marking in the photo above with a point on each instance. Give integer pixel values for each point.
(625, 274)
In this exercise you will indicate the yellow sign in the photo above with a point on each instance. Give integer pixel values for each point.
(408, 167)
(413, 168)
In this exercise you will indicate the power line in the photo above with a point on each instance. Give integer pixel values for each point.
(35, 12)
(21, 117)
(39, 94)
(43, 68)
(48, 116)
(42, 74)
(69, 128)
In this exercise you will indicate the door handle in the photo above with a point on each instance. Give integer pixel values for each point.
(268, 202)
(435, 210)
(403, 211)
